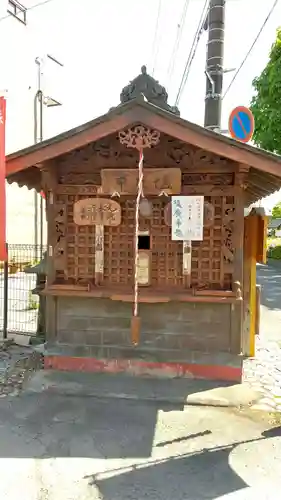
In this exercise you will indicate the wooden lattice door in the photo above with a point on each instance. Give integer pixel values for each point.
(166, 255)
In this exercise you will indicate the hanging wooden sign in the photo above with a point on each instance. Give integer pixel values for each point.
(97, 211)
(143, 267)
(155, 181)
(159, 180)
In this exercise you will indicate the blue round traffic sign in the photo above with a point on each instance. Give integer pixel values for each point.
(241, 124)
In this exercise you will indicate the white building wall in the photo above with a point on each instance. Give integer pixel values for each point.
(19, 76)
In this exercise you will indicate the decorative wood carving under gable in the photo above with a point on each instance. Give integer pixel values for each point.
(225, 179)
(109, 153)
(78, 178)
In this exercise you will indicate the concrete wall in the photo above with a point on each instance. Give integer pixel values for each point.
(168, 331)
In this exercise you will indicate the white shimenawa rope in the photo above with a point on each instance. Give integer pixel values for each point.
(139, 196)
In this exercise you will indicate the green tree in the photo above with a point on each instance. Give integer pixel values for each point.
(276, 211)
(266, 103)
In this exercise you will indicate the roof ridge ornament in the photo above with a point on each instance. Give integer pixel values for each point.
(147, 88)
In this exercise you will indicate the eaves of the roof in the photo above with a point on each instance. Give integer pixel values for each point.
(139, 111)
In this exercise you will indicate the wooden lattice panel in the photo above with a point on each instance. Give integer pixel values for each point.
(209, 266)
(119, 248)
(212, 259)
(166, 260)
(80, 246)
(167, 255)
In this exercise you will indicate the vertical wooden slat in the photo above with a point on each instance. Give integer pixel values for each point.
(223, 202)
(76, 248)
(99, 250)
(238, 238)
(99, 254)
(186, 257)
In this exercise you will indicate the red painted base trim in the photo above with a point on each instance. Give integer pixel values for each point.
(135, 367)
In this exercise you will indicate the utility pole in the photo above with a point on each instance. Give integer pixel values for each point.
(214, 64)
(39, 101)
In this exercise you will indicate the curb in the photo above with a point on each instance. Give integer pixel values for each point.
(143, 399)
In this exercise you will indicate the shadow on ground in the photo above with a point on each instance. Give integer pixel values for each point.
(199, 475)
(197, 466)
(54, 419)
(269, 277)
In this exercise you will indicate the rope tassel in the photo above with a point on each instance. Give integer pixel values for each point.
(135, 323)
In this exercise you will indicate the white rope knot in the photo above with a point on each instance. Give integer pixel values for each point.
(139, 196)
(115, 195)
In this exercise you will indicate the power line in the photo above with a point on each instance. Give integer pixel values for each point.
(251, 48)
(192, 52)
(155, 48)
(29, 8)
(177, 41)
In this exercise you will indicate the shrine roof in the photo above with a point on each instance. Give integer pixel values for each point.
(144, 101)
(139, 111)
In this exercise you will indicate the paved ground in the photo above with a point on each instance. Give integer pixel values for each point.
(179, 391)
(264, 372)
(269, 277)
(59, 447)
(63, 448)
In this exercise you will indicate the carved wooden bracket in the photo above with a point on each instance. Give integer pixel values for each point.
(139, 137)
(241, 176)
(58, 236)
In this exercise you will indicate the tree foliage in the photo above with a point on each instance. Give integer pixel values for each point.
(266, 103)
(276, 211)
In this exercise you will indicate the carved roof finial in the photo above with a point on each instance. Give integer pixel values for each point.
(145, 86)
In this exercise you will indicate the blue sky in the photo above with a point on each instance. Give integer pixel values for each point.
(104, 43)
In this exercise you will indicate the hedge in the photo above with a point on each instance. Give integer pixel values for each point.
(274, 252)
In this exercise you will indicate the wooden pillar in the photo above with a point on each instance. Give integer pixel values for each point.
(49, 184)
(258, 308)
(237, 276)
(250, 298)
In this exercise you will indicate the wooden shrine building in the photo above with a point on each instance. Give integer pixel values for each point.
(145, 217)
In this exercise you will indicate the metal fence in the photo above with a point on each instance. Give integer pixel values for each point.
(18, 305)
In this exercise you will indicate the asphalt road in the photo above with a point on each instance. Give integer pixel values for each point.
(269, 277)
(66, 448)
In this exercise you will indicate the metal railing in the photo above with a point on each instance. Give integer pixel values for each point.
(18, 305)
